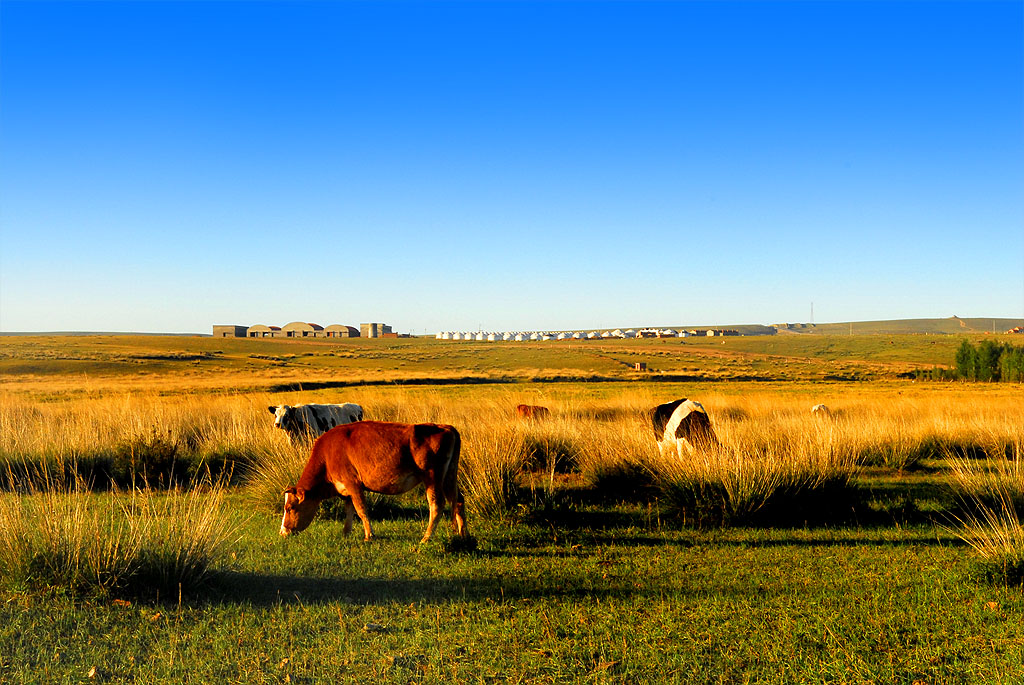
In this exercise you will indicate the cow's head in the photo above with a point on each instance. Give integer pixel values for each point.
(299, 511)
(284, 417)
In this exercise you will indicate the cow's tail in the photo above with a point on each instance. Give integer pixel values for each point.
(450, 476)
(450, 479)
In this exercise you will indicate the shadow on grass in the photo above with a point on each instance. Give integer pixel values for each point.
(260, 590)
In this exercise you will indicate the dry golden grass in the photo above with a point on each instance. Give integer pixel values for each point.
(771, 444)
(64, 536)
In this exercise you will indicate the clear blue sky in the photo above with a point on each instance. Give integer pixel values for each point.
(165, 166)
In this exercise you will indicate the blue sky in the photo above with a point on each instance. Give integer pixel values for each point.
(165, 166)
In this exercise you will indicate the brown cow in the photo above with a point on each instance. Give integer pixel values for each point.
(390, 458)
(529, 411)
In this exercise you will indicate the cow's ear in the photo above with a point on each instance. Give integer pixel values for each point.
(273, 410)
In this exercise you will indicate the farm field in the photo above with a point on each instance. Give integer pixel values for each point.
(801, 551)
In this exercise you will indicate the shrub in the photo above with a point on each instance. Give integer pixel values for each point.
(996, 535)
(617, 462)
(552, 446)
(273, 471)
(491, 460)
(67, 538)
(993, 482)
(764, 475)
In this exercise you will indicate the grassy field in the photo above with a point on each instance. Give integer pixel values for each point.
(79, 365)
(801, 551)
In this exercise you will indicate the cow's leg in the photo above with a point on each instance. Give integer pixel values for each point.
(459, 514)
(359, 503)
(435, 503)
(349, 510)
(454, 495)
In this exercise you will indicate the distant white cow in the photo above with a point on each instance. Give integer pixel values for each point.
(304, 422)
(682, 423)
(821, 411)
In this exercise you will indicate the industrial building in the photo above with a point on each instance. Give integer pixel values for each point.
(303, 329)
(376, 330)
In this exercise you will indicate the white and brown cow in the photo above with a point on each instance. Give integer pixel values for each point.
(389, 458)
(304, 422)
(682, 423)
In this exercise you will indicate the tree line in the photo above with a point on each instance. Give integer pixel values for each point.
(988, 362)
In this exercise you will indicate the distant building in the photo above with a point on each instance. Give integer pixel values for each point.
(296, 329)
(374, 330)
(337, 330)
(261, 331)
(229, 331)
(301, 329)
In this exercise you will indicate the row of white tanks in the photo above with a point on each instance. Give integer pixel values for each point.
(520, 336)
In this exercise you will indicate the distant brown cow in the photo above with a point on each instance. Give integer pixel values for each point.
(389, 458)
(529, 411)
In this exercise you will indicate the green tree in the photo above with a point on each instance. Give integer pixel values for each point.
(967, 361)
(988, 361)
(1012, 364)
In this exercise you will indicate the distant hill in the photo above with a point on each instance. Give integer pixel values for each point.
(951, 326)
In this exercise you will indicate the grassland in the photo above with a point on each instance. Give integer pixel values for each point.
(52, 366)
(577, 578)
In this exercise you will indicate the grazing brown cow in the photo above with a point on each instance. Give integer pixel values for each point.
(682, 423)
(529, 411)
(389, 458)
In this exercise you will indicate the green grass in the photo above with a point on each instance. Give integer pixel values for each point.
(637, 602)
(568, 584)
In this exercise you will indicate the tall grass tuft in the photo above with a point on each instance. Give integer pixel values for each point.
(618, 461)
(184, 534)
(993, 529)
(272, 472)
(993, 493)
(993, 482)
(491, 460)
(761, 473)
(64, 537)
(552, 445)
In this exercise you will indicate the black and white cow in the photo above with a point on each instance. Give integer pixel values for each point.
(305, 422)
(682, 423)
